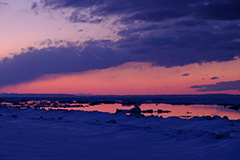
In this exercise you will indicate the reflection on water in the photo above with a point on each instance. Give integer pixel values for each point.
(148, 109)
(183, 111)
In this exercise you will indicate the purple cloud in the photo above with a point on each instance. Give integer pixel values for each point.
(220, 86)
(34, 63)
(34, 5)
(189, 36)
(154, 10)
(213, 78)
(185, 74)
(220, 10)
(4, 3)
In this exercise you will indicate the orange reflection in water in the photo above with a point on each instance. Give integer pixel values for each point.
(182, 111)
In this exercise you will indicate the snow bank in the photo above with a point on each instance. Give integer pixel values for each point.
(77, 135)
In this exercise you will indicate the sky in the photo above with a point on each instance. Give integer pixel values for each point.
(103, 47)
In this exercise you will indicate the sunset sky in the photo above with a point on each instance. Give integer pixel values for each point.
(120, 47)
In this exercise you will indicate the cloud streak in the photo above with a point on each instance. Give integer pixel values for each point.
(3, 3)
(185, 74)
(220, 86)
(34, 63)
(154, 10)
(214, 78)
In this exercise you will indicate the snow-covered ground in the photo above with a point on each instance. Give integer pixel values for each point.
(76, 135)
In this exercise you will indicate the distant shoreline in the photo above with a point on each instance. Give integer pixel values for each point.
(206, 99)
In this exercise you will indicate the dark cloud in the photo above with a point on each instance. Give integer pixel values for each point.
(35, 8)
(185, 74)
(154, 10)
(168, 33)
(130, 10)
(190, 23)
(220, 10)
(34, 63)
(77, 17)
(47, 42)
(4, 3)
(221, 86)
(80, 30)
(213, 78)
(72, 3)
(176, 46)
(34, 5)
(156, 15)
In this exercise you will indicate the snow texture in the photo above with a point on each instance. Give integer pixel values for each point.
(30, 134)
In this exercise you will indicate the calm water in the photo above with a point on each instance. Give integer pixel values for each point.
(176, 110)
